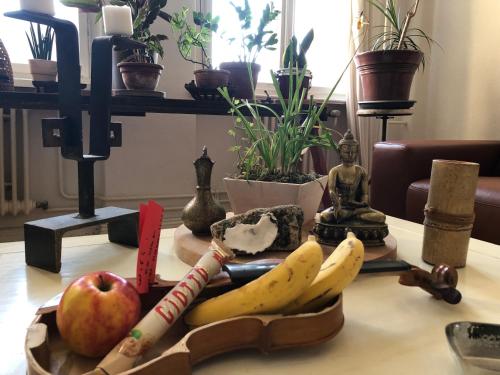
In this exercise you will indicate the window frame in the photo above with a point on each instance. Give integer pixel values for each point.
(287, 31)
(86, 33)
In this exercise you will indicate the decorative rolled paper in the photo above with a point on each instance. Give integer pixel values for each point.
(159, 320)
(117, 20)
(449, 213)
(39, 6)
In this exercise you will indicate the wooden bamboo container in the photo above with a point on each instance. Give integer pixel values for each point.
(449, 213)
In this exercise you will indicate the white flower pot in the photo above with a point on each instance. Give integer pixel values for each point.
(245, 195)
(43, 70)
(39, 6)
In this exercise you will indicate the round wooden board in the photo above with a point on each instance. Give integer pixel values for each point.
(190, 248)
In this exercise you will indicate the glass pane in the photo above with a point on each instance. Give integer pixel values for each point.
(329, 51)
(12, 32)
(223, 51)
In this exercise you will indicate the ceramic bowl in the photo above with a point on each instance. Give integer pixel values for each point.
(476, 346)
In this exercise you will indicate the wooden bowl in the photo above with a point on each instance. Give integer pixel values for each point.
(181, 348)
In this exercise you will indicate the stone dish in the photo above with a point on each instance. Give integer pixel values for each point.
(476, 346)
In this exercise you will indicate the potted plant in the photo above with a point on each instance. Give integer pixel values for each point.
(42, 68)
(199, 36)
(269, 159)
(252, 42)
(294, 61)
(138, 68)
(387, 70)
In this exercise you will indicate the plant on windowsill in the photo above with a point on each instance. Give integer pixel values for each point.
(42, 68)
(138, 68)
(387, 70)
(269, 160)
(294, 62)
(252, 43)
(199, 36)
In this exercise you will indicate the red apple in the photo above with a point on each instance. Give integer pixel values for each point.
(96, 312)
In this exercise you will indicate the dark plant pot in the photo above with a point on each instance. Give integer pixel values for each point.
(283, 76)
(211, 78)
(140, 76)
(240, 80)
(387, 75)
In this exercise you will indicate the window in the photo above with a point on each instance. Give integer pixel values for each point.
(12, 33)
(328, 54)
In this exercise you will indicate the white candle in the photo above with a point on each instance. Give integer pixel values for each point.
(39, 6)
(117, 20)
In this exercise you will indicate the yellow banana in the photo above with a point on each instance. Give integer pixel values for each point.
(267, 294)
(336, 273)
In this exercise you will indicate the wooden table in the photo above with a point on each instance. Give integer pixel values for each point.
(389, 328)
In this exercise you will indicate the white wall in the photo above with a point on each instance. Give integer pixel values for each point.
(457, 95)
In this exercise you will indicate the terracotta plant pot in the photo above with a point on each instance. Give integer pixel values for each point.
(240, 80)
(283, 76)
(43, 70)
(387, 75)
(140, 76)
(211, 78)
(245, 195)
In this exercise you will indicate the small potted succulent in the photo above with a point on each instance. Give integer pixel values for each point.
(42, 68)
(199, 36)
(387, 70)
(252, 42)
(294, 62)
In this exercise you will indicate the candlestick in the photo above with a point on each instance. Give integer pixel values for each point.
(117, 20)
(39, 6)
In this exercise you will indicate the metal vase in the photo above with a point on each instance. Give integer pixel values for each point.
(202, 211)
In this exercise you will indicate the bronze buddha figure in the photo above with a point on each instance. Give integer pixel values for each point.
(348, 189)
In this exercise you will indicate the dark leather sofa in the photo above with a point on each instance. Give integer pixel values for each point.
(401, 172)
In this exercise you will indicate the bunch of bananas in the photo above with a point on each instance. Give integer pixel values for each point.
(302, 283)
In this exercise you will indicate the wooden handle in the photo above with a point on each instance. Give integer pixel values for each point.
(441, 282)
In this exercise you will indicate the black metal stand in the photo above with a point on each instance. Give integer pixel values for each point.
(384, 114)
(43, 237)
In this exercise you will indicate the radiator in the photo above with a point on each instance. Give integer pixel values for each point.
(14, 163)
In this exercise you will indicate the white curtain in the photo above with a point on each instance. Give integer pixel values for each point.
(367, 130)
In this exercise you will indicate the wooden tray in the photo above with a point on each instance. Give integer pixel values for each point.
(181, 348)
(190, 248)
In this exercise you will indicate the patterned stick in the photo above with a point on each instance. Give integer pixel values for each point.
(154, 325)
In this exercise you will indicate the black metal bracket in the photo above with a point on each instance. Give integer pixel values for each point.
(43, 237)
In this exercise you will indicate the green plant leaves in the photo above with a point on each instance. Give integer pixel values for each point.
(263, 37)
(388, 39)
(41, 43)
(190, 37)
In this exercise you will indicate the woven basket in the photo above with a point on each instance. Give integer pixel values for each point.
(6, 76)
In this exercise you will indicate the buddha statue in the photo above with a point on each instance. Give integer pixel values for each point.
(348, 189)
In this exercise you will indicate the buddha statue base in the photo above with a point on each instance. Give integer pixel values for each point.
(371, 234)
